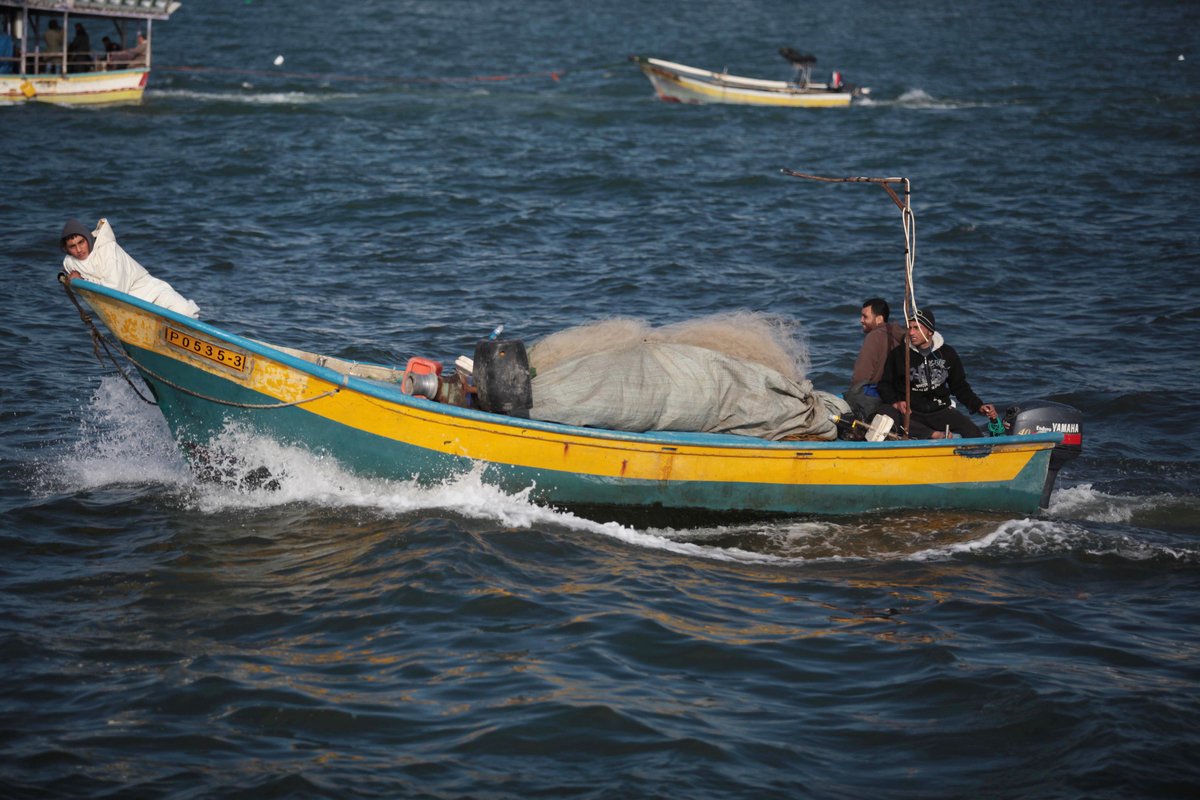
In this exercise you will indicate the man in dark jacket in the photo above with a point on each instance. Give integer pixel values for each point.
(935, 372)
(80, 50)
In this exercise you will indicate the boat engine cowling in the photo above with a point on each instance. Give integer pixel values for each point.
(502, 377)
(1046, 416)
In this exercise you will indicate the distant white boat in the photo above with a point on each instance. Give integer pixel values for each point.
(30, 72)
(679, 83)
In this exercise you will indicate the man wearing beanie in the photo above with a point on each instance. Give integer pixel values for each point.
(935, 372)
(95, 256)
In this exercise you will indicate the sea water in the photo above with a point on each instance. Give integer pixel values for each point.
(411, 176)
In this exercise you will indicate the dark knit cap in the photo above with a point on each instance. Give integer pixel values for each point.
(72, 228)
(925, 317)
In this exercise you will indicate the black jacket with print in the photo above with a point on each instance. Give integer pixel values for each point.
(935, 376)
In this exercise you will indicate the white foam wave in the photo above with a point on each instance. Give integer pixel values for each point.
(919, 98)
(297, 475)
(1086, 502)
(250, 97)
(1022, 536)
(123, 441)
(1040, 537)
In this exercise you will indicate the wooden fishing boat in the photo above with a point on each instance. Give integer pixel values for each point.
(679, 83)
(407, 424)
(38, 64)
(204, 377)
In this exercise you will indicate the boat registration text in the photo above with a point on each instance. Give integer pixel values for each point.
(205, 349)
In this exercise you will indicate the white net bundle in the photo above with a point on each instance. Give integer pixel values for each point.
(772, 341)
(736, 372)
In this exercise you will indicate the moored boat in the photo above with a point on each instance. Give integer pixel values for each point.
(45, 59)
(680, 83)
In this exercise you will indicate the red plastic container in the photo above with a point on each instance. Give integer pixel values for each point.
(423, 366)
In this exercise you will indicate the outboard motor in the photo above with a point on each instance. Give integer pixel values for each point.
(1044, 416)
(502, 381)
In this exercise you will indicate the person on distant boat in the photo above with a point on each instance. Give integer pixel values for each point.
(54, 47)
(140, 51)
(8, 56)
(132, 58)
(880, 337)
(95, 256)
(54, 38)
(935, 372)
(79, 52)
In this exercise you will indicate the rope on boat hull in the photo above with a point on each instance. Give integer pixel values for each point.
(99, 341)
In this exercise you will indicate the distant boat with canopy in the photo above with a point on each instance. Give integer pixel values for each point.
(679, 83)
(47, 54)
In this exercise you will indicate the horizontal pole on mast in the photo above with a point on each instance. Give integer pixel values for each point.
(884, 182)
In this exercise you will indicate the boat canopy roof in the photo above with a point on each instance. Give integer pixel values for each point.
(799, 59)
(129, 9)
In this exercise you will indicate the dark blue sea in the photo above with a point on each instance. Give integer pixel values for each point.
(412, 175)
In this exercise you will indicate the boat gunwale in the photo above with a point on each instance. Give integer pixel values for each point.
(382, 391)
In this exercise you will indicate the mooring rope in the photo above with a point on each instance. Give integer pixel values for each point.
(219, 401)
(99, 340)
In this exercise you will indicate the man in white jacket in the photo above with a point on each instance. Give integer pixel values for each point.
(96, 256)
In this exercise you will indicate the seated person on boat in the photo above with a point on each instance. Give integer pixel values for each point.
(880, 336)
(935, 372)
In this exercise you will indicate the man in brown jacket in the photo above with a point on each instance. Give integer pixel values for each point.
(881, 337)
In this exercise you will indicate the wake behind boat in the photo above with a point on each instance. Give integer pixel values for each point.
(680, 83)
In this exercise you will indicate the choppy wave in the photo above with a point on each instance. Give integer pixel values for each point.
(170, 636)
(1033, 538)
(921, 99)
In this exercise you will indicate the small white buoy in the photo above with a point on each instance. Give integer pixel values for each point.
(278, 60)
(1181, 57)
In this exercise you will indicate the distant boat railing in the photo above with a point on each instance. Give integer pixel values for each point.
(39, 63)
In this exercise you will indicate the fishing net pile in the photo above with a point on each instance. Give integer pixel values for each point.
(738, 372)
